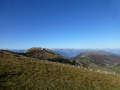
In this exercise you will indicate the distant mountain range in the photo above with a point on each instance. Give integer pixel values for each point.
(68, 52)
(16, 50)
(71, 52)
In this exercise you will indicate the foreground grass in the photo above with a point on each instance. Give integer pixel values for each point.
(24, 73)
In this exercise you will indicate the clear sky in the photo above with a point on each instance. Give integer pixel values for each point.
(59, 24)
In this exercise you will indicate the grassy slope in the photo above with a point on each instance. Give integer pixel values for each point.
(100, 60)
(24, 73)
(42, 53)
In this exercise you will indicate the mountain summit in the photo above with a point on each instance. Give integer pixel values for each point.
(99, 60)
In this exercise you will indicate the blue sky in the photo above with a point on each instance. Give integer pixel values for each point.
(59, 24)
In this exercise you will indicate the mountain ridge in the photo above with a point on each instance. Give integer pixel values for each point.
(71, 52)
(99, 60)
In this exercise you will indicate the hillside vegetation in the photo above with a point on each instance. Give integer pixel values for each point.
(100, 60)
(47, 54)
(18, 72)
(40, 53)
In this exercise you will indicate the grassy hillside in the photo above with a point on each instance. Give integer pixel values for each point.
(100, 60)
(47, 54)
(40, 53)
(18, 72)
